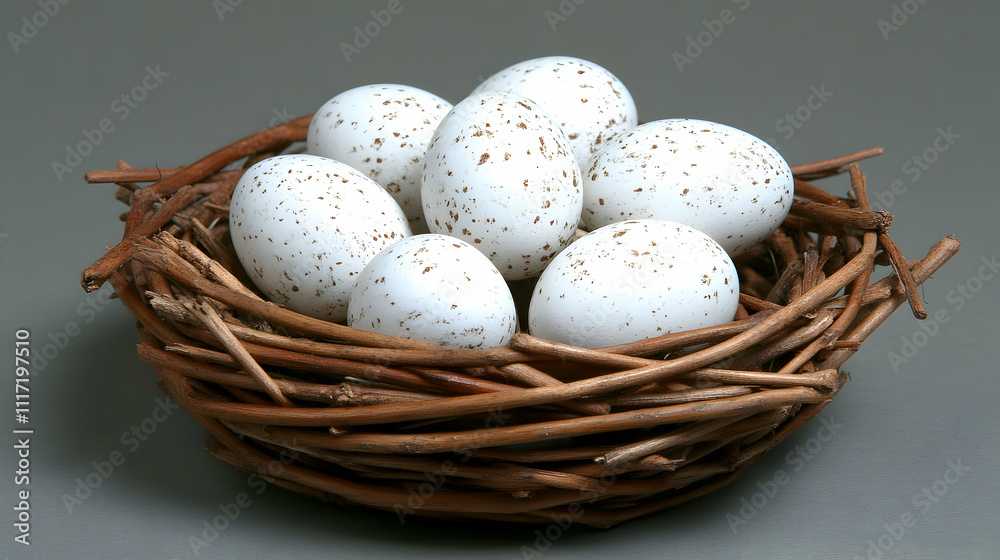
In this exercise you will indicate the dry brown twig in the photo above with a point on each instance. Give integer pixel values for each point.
(530, 428)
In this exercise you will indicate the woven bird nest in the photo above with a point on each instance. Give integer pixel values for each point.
(527, 432)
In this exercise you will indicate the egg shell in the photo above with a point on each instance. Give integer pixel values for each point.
(305, 226)
(434, 288)
(500, 175)
(715, 178)
(590, 103)
(631, 281)
(381, 130)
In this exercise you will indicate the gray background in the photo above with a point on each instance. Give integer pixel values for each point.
(232, 73)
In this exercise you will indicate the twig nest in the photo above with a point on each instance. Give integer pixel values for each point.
(524, 432)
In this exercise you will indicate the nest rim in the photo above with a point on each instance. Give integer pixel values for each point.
(510, 433)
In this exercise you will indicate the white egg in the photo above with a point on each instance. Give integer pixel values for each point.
(381, 130)
(631, 281)
(305, 226)
(500, 175)
(712, 177)
(590, 103)
(437, 289)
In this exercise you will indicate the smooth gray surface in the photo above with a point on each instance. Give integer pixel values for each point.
(899, 423)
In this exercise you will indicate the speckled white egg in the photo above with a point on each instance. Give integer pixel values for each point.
(500, 175)
(305, 226)
(437, 289)
(590, 103)
(631, 281)
(712, 177)
(381, 130)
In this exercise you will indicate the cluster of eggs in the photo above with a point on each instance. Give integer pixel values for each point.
(410, 216)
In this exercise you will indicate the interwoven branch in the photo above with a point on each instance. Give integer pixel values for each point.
(516, 433)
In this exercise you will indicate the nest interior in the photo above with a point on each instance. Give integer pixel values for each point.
(526, 432)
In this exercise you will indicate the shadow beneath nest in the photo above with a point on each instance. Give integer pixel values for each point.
(116, 431)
